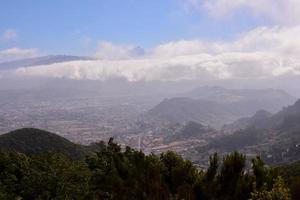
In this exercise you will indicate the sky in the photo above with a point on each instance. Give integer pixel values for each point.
(77, 26)
(154, 39)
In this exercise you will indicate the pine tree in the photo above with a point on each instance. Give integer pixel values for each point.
(278, 192)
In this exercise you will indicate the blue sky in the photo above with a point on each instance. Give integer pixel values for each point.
(181, 39)
(77, 26)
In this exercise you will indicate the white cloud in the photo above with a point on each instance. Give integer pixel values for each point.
(176, 68)
(17, 53)
(9, 35)
(280, 40)
(110, 51)
(279, 11)
(261, 53)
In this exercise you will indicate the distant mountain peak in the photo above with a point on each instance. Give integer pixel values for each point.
(262, 114)
(216, 106)
(42, 60)
(297, 103)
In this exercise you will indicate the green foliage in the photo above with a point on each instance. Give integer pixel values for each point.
(126, 175)
(237, 140)
(32, 141)
(116, 173)
(180, 175)
(231, 177)
(49, 176)
(213, 168)
(263, 176)
(291, 174)
(278, 192)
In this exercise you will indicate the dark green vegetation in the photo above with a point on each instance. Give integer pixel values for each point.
(113, 173)
(238, 140)
(291, 174)
(34, 141)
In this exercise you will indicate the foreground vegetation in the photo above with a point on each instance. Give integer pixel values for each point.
(113, 173)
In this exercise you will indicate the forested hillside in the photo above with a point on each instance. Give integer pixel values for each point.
(32, 141)
(113, 173)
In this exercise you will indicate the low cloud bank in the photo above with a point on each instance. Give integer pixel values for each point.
(265, 52)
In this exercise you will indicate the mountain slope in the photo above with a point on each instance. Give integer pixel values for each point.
(34, 141)
(191, 130)
(285, 120)
(43, 60)
(220, 94)
(215, 106)
(186, 109)
(247, 100)
(258, 120)
(276, 138)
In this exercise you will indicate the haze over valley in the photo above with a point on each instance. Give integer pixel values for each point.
(153, 116)
(135, 99)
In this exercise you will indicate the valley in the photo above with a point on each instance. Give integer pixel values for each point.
(194, 126)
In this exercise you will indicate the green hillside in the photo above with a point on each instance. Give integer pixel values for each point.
(126, 174)
(32, 141)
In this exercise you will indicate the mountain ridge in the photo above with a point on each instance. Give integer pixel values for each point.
(221, 106)
(42, 60)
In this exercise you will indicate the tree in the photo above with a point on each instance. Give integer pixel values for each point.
(180, 175)
(278, 192)
(230, 175)
(212, 169)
